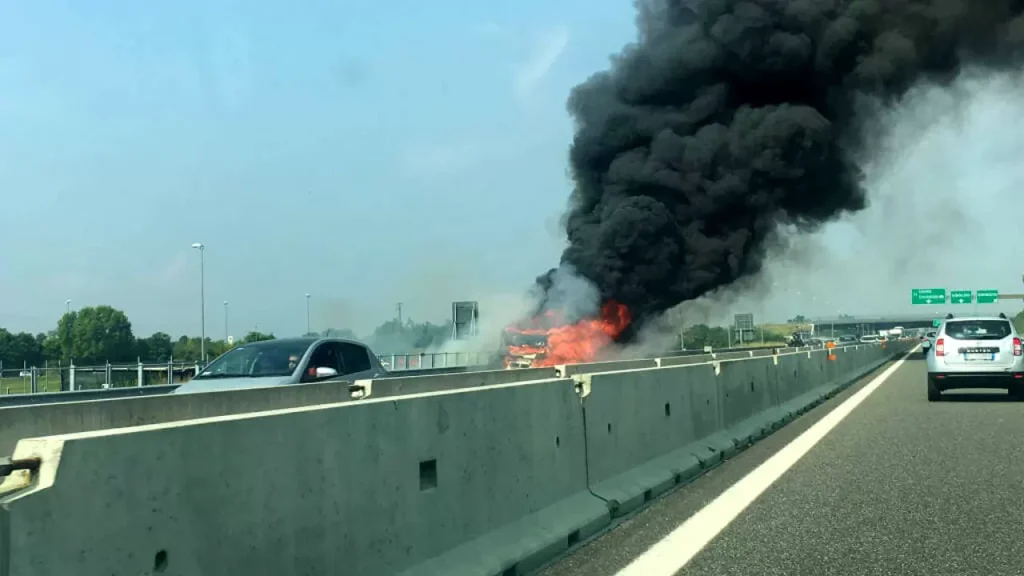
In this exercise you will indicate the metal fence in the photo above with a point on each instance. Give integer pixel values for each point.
(31, 380)
(71, 378)
(427, 360)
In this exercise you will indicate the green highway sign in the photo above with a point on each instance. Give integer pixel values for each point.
(988, 296)
(928, 296)
(961, 297)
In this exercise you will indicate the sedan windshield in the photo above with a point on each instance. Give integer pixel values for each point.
(270, 358)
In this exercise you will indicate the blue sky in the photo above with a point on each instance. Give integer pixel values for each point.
(364, 152)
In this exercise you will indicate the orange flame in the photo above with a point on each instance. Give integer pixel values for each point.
(567, 343)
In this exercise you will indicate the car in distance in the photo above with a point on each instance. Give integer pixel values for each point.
(286, 361)
(928, 341)
(869, 338)
(975, 352)
(847, 339)
(799, 340)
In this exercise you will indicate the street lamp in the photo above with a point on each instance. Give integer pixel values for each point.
(202, 299)
(225, 322)
(67, 305)
(307, 313)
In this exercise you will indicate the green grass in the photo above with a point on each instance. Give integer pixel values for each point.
(23, 385)
(786, 330)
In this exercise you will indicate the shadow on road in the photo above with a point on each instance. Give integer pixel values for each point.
(992, 397)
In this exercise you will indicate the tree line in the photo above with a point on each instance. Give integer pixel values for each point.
(698, 336)
(98, 334)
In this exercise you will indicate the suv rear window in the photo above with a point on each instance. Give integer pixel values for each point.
(978, 329)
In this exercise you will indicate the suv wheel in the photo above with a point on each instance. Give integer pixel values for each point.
(934, 395)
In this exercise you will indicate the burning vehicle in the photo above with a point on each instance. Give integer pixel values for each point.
(523, 349)
(551, 338)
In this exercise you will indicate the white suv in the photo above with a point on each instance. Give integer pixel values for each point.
(975, 352)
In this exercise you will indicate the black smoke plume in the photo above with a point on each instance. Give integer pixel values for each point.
(727, 119)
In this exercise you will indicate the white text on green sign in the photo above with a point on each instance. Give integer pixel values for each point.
(961, 297)
(928, 296)
(988, 296)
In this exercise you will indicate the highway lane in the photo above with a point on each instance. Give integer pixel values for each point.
(900, 486)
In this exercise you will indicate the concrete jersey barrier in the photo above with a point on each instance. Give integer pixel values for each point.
(96, 410)
(14, 400)
(84, 412)
(399, 386)
(65, 418)
(370, 488)
(483, 481)
(11, 400)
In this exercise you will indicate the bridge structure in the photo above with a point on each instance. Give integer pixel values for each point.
(861, 325)
(869, 324)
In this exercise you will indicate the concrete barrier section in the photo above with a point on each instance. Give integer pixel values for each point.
(649, 430)
(65, 418)
(610, 366)
(793, 377)
(400, 386)
(485, 482)
(733, 355)
(642, 433)
(14, 400)
(748, 393)
(685, 360)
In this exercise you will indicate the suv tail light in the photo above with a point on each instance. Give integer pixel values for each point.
(1017, 351)
(940, 347)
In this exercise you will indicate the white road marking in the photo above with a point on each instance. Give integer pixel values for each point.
(676, 550)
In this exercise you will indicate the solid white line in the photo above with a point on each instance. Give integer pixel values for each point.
(677, 549)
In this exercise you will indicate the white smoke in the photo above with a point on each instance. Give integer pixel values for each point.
(571, 293)
(496, 312)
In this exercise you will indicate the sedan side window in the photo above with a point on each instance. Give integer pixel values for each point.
(355, 358)
(326, 355)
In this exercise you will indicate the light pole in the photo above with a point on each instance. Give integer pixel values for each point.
(202, 300)
(67, 305)
(225, 322)
(307, 314)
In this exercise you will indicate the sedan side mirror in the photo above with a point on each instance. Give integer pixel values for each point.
(325, 372)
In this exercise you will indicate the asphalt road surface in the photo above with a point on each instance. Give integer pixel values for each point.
(899, 486)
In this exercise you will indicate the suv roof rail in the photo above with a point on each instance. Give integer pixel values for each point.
(949, 316)
(1002, 315)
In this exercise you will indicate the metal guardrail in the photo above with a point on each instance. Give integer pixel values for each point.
(49, 379)
(434, 360)
(10, 400)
